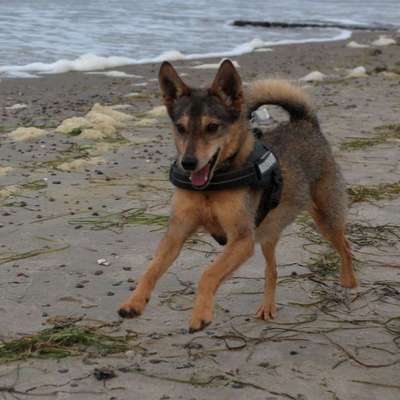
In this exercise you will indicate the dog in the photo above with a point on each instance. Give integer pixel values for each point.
(211, 126)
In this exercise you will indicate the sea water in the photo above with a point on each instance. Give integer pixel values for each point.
(52, 36)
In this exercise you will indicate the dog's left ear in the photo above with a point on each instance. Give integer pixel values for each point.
(171, 85)
(228, 85)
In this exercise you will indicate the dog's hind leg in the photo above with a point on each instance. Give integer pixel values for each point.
(328, 211)
(268, 234)
(267, 309)
(336, 235)
(180, 228)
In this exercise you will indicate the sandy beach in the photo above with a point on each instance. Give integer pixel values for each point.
(83, 204)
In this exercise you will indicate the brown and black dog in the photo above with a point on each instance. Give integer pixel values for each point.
(211, 126)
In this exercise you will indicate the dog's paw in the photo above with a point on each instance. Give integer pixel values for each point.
(200, 320)
(348, 281)
(130, 310)
(196, 326)
(266, 311)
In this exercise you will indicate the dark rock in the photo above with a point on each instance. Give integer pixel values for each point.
(104, 373)
(286, 25)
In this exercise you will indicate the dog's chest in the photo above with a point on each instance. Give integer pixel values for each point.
(209, 214)
(212, 222)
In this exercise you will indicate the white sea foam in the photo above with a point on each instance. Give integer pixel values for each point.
(92, 62)
(355, 45)
(384, 41)
(16, 107)
(314, 76)
(114, 74)
(132, 94)
(213, 65)
(168, 55)
(86, 62)
(11, 73)
(358, 72)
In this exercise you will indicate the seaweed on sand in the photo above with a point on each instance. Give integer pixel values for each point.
(38, 184)
(6, 258)
(362, 193)
(62, 341)
(384, 134)
(116, 221)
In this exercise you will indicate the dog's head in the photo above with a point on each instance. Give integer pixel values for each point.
(206, 122)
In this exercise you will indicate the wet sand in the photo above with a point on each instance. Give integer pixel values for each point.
(81, 217)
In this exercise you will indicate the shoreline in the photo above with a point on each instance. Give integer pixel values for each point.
(81, 89)
(87, 62)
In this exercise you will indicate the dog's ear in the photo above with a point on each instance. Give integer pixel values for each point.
(228, 85)
(171, 85)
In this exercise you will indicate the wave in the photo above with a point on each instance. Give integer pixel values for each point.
(93, 62)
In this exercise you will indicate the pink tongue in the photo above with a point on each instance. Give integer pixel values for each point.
(200, 177)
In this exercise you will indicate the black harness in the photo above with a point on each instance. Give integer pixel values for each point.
(261, 172)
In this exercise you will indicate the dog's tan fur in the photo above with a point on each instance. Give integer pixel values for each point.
(312, 181)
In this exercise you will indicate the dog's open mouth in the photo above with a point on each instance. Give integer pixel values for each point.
(202, 177)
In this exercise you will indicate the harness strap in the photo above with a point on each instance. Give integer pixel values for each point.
(220, 181)
(270, 197)
(261, 172)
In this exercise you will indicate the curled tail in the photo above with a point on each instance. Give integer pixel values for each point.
(284, 94)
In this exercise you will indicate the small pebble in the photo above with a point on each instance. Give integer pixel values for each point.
(264, 364)
(185, 365)
(63, 370)
(155, 361)
(194, 345)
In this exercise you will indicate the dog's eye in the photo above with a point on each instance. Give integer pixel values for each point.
(211, 127)
(180, 128)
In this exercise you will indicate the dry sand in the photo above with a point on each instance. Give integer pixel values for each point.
(57, 222)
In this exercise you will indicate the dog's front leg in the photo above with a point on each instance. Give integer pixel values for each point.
(239, 248)
(181, 225)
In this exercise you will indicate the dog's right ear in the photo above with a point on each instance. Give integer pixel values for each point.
(171, 85)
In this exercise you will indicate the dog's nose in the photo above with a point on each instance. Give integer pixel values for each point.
(189, 163)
